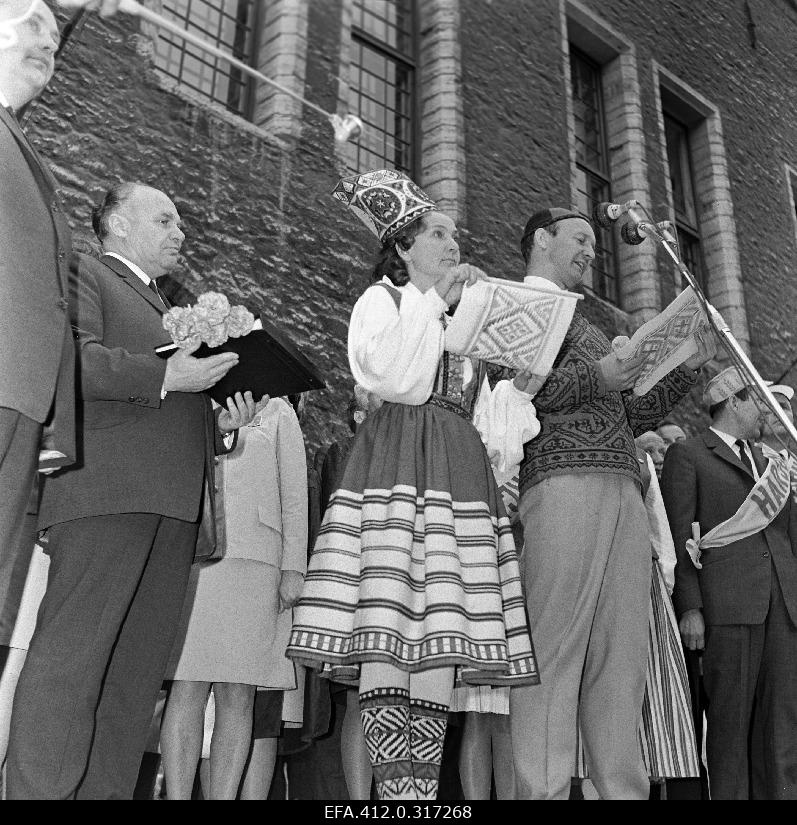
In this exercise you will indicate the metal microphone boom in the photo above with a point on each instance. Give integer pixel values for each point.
(723, 331)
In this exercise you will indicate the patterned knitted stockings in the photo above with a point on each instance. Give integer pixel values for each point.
(428, 722)
(404, 737)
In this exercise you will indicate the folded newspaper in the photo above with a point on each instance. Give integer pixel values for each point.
(666, 340)
(511, 323)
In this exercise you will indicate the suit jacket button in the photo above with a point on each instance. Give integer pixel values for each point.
(765, 555)
(132, 399)
(62, 303)
(56, 207)
(216, 460)
(61, 254)
(215, 488)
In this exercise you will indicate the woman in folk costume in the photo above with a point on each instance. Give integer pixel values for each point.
(414, 574)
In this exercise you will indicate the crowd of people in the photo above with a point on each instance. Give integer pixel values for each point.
(536, 552)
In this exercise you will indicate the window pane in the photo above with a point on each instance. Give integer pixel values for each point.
(592, 190)
(687, 231)
(230, 25)
(588, 113)
(689, 248)
(388, 21)
(677, 140)
(592, 182)
(382, 85)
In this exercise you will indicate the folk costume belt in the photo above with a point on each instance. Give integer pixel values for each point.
(447, 404)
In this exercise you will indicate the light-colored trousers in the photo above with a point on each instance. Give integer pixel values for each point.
(587, 568)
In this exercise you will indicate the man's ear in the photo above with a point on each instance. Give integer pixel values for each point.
(541, 237)
(118, 225)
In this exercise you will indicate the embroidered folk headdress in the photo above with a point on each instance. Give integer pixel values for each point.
(384, 200)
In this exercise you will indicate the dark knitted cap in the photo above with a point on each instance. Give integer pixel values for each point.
(545, 217)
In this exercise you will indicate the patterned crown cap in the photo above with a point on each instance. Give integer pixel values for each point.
(384, 200)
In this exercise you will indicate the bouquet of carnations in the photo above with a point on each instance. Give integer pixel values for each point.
(210, 321)
(269, 363)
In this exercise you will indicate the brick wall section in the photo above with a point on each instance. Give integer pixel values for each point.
(281, 57)
(443, 169)
(260, 224)
(515, 135)
(262, 227)
(707, 45)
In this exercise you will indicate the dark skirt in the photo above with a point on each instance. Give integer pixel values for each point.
(415, 563)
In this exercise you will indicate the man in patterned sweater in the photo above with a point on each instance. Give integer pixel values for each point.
(587, 557)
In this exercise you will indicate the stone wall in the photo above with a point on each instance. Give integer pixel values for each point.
(261, 225)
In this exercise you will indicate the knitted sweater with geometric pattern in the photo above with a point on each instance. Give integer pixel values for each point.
(585, 428)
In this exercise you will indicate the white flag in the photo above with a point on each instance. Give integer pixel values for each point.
(666, 340)
(510, 323)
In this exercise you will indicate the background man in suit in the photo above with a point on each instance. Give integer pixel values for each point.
(123, 522)
(37, 372)
(742, 605)
(671, 433)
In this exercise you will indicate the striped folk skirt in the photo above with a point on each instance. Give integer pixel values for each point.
(667, 732)
(415, 563)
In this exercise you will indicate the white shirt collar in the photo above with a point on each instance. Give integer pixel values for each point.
(137, 269)
(4, 100)
(730, 440)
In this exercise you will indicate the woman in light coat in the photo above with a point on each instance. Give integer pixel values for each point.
(236, 620)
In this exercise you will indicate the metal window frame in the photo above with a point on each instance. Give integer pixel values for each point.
(612, 276)
(235, 77)
(683, 226)
(410, 63)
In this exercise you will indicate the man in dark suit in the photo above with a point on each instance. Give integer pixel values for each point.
(741, 605)
(122, 522)
(37, 371)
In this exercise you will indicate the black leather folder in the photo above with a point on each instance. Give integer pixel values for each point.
(269, 364)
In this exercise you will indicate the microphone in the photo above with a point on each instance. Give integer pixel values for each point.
(605, 214)
(634, 232)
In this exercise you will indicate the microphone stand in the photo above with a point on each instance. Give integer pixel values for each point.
(721, 328)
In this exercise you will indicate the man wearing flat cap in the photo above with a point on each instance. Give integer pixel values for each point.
(735, 529)
(587, 558)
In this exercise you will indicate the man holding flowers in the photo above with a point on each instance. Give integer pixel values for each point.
(122, 523)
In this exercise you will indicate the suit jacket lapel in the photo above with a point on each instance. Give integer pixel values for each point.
(44, 178)
(133, 281)
(723, 451)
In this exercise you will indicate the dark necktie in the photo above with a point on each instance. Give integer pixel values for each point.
(154, 287)
(745, 457)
